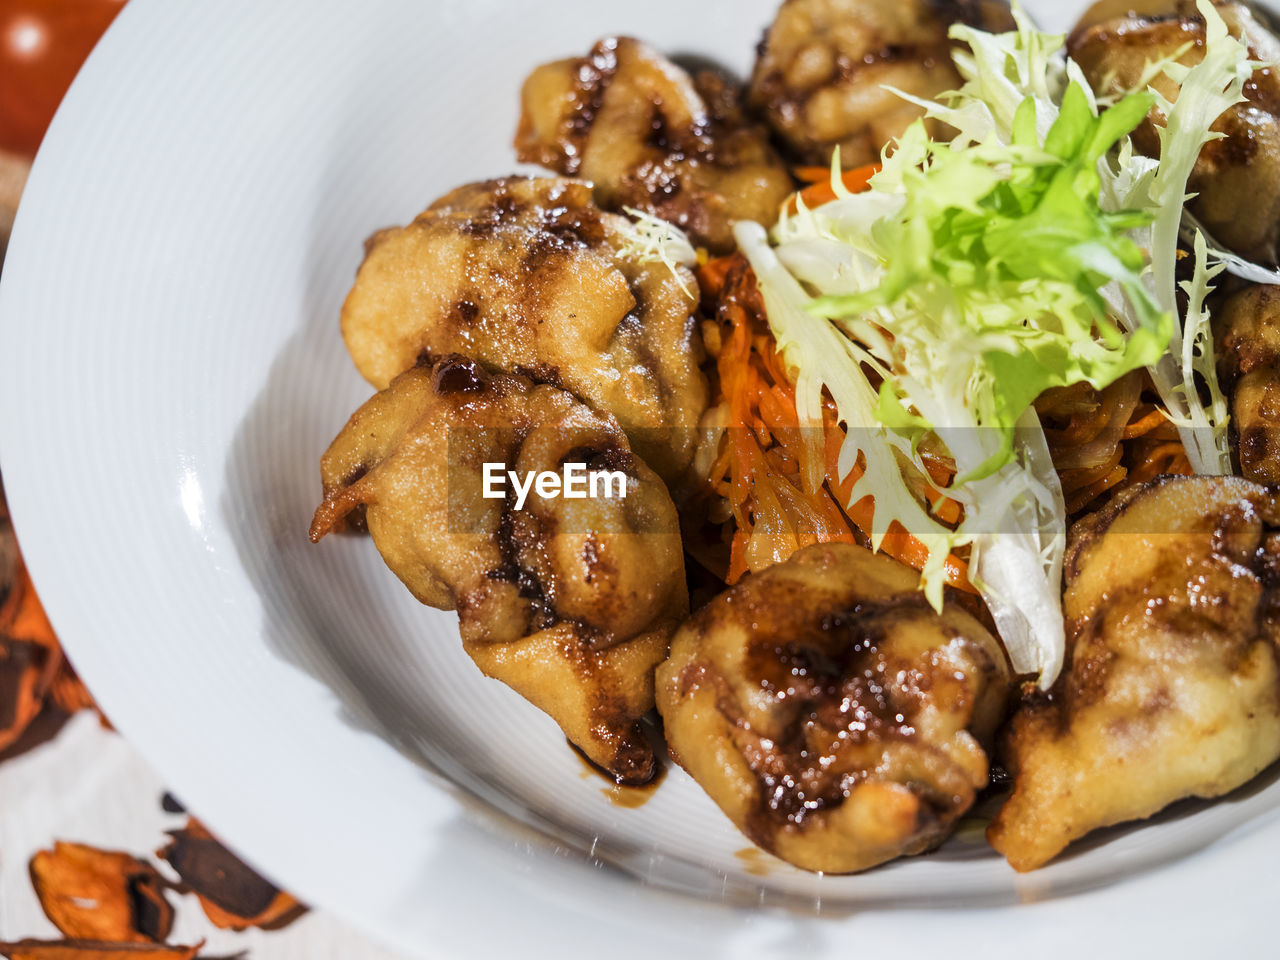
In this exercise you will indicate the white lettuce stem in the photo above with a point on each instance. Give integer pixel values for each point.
(1018, 553)
(1205, 91)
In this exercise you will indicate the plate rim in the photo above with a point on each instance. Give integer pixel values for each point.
(21, 437)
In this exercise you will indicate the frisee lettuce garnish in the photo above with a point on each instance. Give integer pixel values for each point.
(973, 275)
(653, 240)
(1205, 91)
(993, 267)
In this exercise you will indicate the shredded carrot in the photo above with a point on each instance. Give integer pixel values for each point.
(711, 276)
(1122, 439)
(811, 174)
(1086, 495)
(1161, 459)
(780, 479)
(898, 543)
(1144, 425)
(822, 191)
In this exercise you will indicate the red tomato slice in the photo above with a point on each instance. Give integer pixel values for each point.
(42, 44)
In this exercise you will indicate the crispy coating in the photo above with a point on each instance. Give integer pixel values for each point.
(1171, 687)
(569, 602)
(528, 276)
(823, 67)
(1237, 178)
(1247, 333)
(830, 712)
(649, 136)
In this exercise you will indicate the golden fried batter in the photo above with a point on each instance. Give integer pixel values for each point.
(569, 602)
(1171, 687)
(823, 67)
(1236, 179)
(1247, 332)
(528, 276)
(648, 136)
(830, 712)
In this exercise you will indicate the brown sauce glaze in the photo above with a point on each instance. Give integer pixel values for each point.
(617, 791)
(501, 210)
(542, 607)
(754, 861)
(835, 682)
(602, 457)
(455, 374)
(592, 80)
(630, 797)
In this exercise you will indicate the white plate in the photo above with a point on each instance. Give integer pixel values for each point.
(173, 371)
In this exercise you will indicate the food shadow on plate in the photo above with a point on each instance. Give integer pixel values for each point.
(693, 63)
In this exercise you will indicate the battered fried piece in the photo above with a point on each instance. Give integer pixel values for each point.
(1247, 331)
(1236, 179)
(649, 136)
(1171, 687)
(830, 712)
(528, 276)
(568, 601)
(823, 67)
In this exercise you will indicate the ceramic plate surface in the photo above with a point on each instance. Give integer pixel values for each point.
(173, 371)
